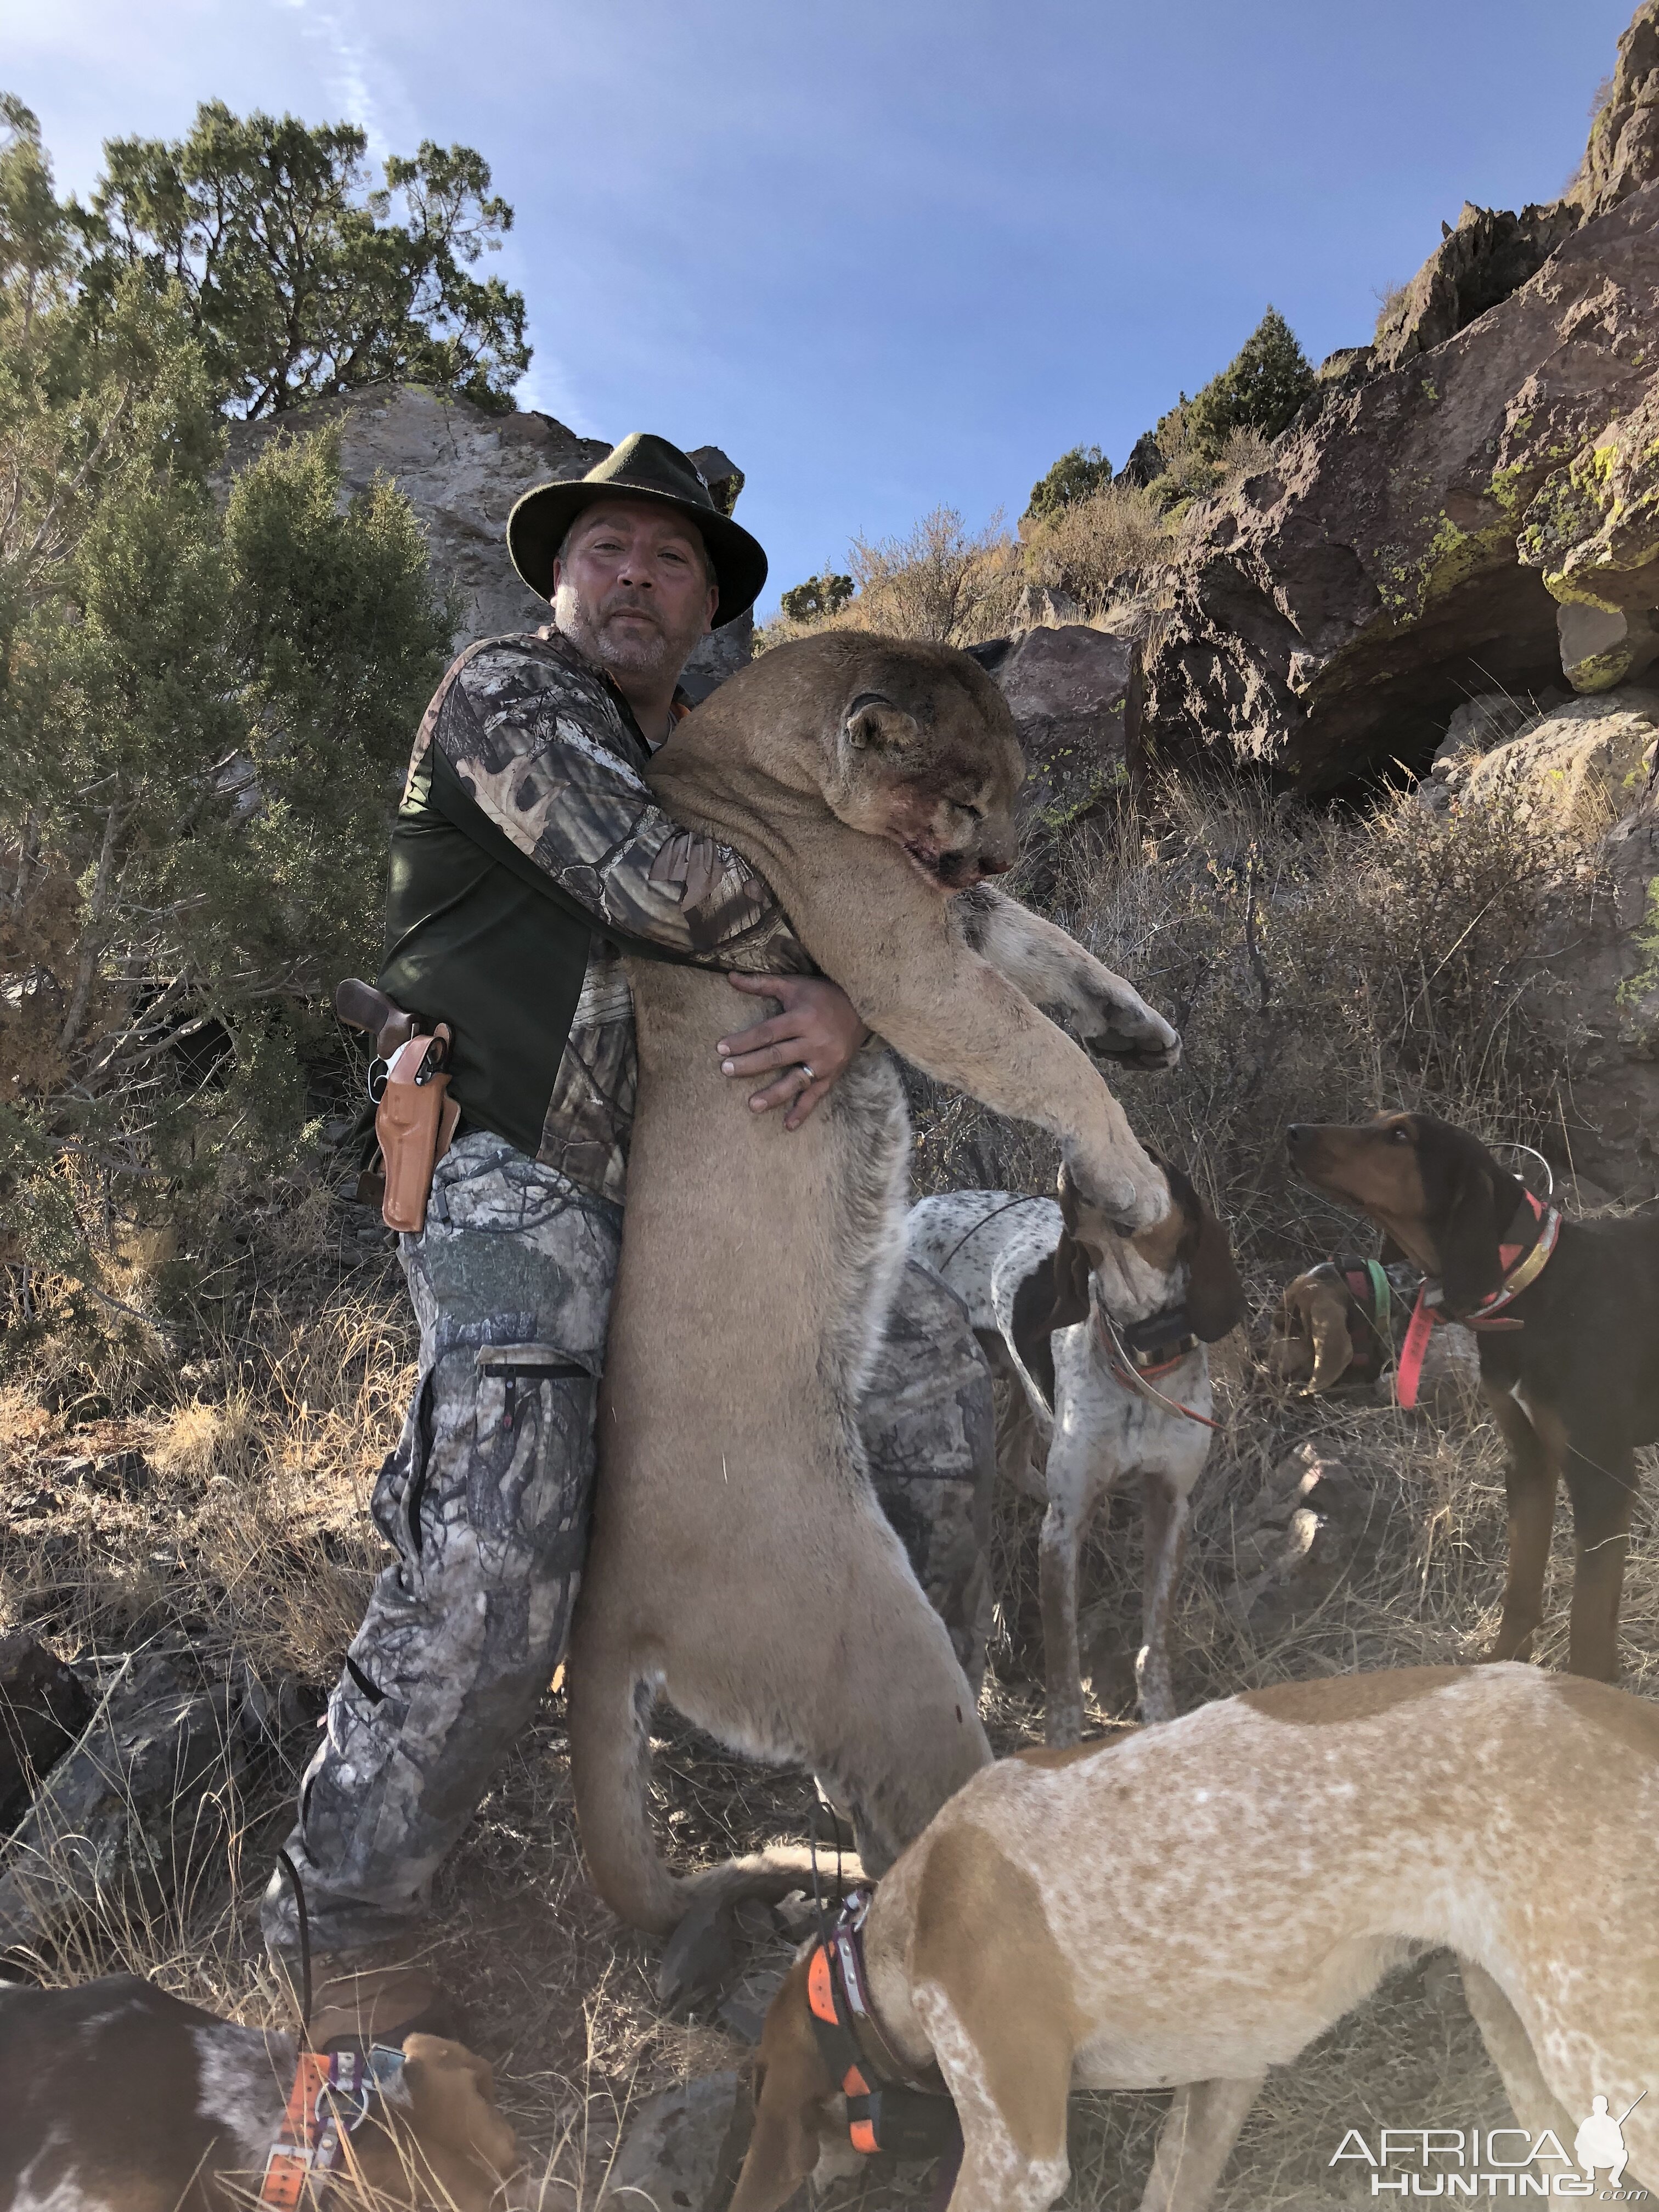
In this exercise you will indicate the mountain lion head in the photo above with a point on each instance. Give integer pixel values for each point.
(917, 745)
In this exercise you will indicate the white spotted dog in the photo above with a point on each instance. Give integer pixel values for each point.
(1105, 1336)
(1185, 1908)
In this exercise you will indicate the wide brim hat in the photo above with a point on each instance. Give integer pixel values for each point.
(642, 467)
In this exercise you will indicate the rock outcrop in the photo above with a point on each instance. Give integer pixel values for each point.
(1334, 615)
(1470, 503)
(1623, 152)
(1069, 688)
(1489, 255)
(461, 470)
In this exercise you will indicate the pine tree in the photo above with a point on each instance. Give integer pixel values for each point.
(1259, 389)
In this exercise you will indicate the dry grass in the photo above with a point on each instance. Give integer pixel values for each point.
(1088, 549)
(250, 1534)
(943, 582)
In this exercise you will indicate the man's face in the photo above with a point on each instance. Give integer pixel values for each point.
(631, 588)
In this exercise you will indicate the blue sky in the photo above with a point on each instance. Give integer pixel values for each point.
(894, 253)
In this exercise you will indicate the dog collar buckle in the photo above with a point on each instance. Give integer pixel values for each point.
(333, 2094)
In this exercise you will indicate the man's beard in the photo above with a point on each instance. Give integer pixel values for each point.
(634, 649)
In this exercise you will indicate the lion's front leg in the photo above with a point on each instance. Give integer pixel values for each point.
(1109, 1016)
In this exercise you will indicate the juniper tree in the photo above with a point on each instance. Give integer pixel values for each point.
(1077, 475)
(298, 280)
(206, 694)
(1259, 389)
(818, 599)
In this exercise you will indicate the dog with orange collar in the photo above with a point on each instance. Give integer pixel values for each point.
(1566, 1315)
(1186, 1907)
(119, 2097)
(1103, 1339)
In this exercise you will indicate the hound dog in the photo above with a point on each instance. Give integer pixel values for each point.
(1189, 1905)
(119, 2097)
(1567, 1318)
(1104, 1335)
(1340, 1324)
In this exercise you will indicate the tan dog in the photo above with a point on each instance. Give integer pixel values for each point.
(1314, 1326)
(740, 1564)
(117, 2098)
(1194, 1905)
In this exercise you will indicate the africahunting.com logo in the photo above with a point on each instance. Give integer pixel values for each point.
(1496, 2161)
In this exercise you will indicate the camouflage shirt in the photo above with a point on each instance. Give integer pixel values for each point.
(542, 744)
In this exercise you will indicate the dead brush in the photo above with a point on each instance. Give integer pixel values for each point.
(1320, 966)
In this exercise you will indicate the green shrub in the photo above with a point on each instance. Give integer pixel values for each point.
(1259, 389)
(1078, 475)
(205, 705)
(818, 599)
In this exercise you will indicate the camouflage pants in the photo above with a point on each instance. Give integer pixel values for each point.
(485, 1501)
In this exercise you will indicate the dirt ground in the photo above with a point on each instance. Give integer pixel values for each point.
(243, 1524)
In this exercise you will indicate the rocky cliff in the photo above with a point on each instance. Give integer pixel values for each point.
(1469, 503)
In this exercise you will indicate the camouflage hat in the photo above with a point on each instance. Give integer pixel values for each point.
(642, 467)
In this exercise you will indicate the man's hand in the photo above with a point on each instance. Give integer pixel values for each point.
(812, 1041)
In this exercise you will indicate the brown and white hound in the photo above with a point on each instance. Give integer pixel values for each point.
(1190, 1905)
(115, 2097)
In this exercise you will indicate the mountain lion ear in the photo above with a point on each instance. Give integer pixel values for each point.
(875, 725)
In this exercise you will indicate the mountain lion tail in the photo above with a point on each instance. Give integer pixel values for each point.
(609, 1703)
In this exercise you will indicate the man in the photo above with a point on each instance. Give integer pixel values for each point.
(526, 851)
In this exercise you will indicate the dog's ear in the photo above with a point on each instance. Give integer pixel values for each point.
(1289, 1355)
(1470, 1266)
(1327, 1325)
(1054, 1295)
(793, 2089)
(1071, 1206)
(1215, 1296)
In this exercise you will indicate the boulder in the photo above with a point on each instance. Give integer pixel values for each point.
(678, 2146)
(461, 469)
(146, 1792)
(1333, 612)
(1068, 689)
(1577, 770)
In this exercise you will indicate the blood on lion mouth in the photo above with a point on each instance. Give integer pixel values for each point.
(951, 872)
